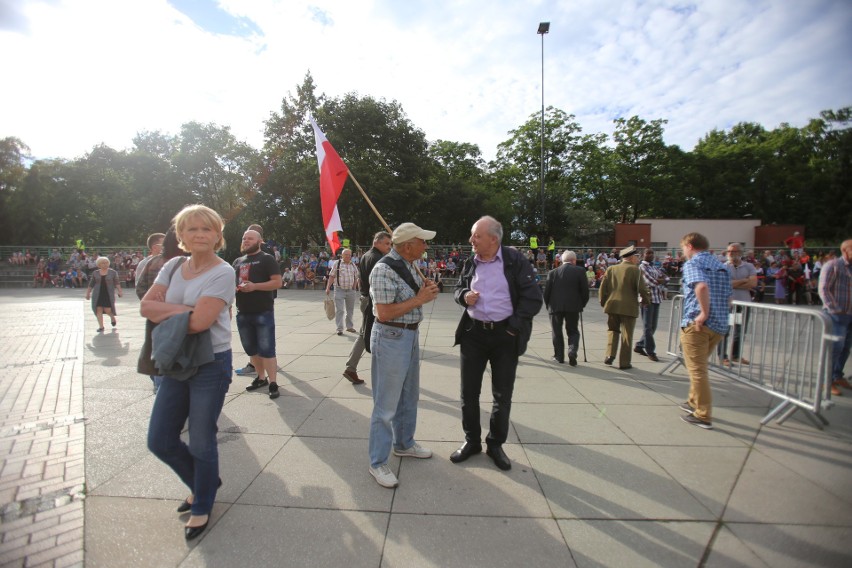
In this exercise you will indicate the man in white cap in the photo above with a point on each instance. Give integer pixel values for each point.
(398, 294)
(621, 287)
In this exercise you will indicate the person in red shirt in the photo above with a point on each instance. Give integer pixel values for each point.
(795, 243)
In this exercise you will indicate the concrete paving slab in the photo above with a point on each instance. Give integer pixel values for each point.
(256, 413)
(121, 531)
(818, 457)
(101, 402)
(310, 385)
(438, 387)
(476, 487)
(564, 424)
(793, 546)
(709, 473)
(440, 541)
(661, 425)
(546, 390)
(728, 551)
(320, 473)
(680, 479)
(339, 418)
(241, 458)
(606, 482)
(617, 390)
(636, 543)
(116, 442)
(767, 491)
(261, 536)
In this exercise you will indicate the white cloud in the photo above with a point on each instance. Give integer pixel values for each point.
(99, 71)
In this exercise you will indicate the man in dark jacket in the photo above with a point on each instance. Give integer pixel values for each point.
(565, 296)
(381, 246)
(498, 290)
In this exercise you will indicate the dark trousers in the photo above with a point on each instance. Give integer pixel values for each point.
(570, 320)
(650, 317)
(478, 348)
(738, 329)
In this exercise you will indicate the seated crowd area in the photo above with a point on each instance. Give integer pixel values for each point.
(788, 276)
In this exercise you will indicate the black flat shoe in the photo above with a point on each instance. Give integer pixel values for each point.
(113, 323)
(465, 451)
(609, 360)
(190, 533)
(499, 457)
(186, 505)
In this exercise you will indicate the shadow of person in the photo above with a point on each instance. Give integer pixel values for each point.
(108, 346)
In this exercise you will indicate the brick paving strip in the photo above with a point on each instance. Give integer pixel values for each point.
(42, 436)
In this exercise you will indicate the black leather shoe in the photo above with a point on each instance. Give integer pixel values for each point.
(609, 360)
(639, 350)
(626, 367)
(465, 451)
(572, 361)
(499, 457)
(190, 533)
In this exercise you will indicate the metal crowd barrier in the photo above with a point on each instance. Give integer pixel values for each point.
(788, 350)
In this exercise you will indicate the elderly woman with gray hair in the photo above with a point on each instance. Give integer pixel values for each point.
(104, 282)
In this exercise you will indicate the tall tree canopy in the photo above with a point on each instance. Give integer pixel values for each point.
(110, 197)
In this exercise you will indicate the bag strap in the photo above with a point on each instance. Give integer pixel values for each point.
(399, 267)
(175, 267)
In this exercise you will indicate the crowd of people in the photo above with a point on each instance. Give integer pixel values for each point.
(789, 275)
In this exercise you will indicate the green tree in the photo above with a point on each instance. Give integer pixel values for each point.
(517, 168)
(638, 166)
(13, 154)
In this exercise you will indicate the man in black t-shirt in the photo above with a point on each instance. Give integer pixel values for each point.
(258, 276)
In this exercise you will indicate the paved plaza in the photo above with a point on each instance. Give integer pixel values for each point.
(604, 471)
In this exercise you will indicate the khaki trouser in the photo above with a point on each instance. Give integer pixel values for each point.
(618, 325)
(697, 347)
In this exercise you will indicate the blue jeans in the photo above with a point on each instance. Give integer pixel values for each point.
(396, 389)
(650, 317)
(199, 399)
(257, 333)
(842, 324)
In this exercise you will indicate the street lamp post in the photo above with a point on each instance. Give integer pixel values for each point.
(543, 28)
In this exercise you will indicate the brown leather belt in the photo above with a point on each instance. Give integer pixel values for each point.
(400, 325)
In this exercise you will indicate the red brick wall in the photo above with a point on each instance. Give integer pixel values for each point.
(774, 235)
(638, 232)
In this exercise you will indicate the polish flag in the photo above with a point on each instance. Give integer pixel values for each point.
(333, 174)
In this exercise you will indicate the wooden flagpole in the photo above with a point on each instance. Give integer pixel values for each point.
(379, 215)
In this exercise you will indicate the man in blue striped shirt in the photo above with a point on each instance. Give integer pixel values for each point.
(707, 295)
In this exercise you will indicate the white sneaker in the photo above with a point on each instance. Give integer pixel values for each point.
(384, 476)
(415, 451)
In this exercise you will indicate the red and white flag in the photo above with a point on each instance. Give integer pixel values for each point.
(333, 174)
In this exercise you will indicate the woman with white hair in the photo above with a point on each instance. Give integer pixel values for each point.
(104, 282)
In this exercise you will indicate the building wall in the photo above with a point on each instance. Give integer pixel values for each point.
(720, 232)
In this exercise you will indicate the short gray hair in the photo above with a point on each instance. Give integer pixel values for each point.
(569, 255)
(493, 226)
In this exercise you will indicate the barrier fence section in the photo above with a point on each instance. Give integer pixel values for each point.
(782, 350)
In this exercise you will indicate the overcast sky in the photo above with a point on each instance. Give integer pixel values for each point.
(82, 72)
